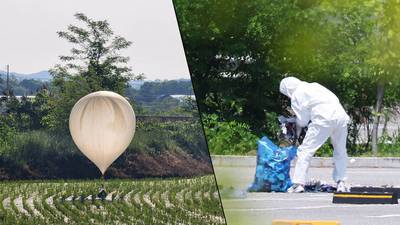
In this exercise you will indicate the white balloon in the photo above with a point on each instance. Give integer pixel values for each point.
(102, 125)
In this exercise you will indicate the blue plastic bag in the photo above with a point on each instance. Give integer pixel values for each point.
(273, 167)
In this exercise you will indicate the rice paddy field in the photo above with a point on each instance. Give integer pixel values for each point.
(142, 202)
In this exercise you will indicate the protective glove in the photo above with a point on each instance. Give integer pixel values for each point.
(290, 110)
(298, 131)
(297, 144)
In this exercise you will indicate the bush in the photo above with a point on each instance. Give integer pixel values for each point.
(272, 128)
(7, 134)
(326, 150)
(34, 146)
(156, 137)
(228, 137)
(389, 145)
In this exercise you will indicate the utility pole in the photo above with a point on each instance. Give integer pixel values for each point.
(8, 81)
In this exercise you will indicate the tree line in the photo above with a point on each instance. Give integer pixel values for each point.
(238, 51)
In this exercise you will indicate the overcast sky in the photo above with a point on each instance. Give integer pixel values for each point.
(29, 43)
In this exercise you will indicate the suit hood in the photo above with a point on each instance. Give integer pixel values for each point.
(288, 85)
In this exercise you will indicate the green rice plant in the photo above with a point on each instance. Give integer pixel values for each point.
(187, 202)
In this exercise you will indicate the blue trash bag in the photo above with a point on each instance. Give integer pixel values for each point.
(273, 167)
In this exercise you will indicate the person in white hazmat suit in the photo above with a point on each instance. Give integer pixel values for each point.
(319, 109)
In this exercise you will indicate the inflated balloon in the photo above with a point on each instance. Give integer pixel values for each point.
(102, 125)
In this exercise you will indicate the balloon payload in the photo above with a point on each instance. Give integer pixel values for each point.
(273, 166)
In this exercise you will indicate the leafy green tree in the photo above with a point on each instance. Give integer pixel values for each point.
(41, 108)
(384, 57)
(228, 53)
(17, 111)
(94, 64)
(26, 114)
(7, 134)
(238, 51)
(95, 55)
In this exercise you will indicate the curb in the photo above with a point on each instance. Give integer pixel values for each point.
(321, 162)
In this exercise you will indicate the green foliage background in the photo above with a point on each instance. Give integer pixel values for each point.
(238, 51)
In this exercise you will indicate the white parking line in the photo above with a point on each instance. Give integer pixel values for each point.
(303, 208)
(375, 172)
(384, 216)
(277, 199)
(292, 195)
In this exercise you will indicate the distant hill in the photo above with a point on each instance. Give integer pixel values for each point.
(142, 90)
(45, 76)
(42, 75)
(136, 84)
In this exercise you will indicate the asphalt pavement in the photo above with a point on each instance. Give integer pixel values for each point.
(242, 208)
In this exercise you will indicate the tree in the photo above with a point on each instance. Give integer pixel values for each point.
(238, 51)
(384, 57)
(94, 64)
(228, 50)
(95, 55)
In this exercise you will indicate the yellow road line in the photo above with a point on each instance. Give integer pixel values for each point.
(362, 196)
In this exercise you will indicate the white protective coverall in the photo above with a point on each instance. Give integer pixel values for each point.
(315, 103)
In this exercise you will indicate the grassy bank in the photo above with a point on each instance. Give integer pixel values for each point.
(159, 149)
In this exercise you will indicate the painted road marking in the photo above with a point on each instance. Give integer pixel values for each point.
(277, 199)
(291, 195)
(375, 171)
(307, 207)
(384, 216)
(362, 196)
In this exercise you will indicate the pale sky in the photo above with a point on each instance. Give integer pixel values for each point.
(29, 42)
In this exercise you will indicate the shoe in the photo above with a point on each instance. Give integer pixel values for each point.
(296, 188)
(341, 186)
